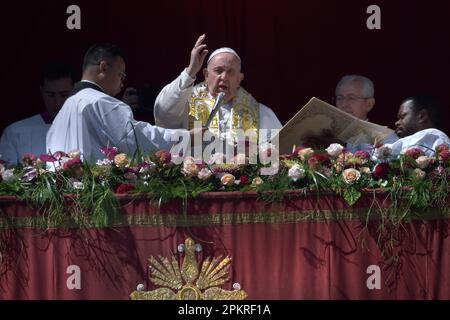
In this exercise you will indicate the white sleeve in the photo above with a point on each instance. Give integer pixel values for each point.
(171, 105)
(124, 132)
(267, 118)
(427, 140)
(8, 147)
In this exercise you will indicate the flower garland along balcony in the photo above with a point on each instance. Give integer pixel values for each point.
(413, 182)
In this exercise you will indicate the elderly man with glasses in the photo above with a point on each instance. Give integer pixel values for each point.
(355, 95)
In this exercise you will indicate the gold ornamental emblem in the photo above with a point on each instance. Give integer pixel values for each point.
(190, 282)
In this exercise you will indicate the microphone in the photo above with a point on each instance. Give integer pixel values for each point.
(216, 107)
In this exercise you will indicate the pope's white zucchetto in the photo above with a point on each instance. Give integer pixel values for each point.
(223, 50)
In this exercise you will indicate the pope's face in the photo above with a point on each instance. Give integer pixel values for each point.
(223, 74)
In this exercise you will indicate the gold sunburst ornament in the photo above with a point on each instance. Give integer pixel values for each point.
(189, 282)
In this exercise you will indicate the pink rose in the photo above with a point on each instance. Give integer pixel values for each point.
(414, 152)
(163, 156)
(444, 155)
(362, 154)
(442, 147)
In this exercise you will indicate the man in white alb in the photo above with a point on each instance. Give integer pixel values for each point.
(92, 118)
(28, 135)
(418, 119)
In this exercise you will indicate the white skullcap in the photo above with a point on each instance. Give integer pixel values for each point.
(223, 50)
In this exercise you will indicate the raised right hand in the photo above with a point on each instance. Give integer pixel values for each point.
(198, 55)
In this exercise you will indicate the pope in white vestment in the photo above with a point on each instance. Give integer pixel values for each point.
(180, 103)
(92, 119)
(172, 107)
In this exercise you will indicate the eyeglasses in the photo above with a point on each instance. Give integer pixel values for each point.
(349, 98)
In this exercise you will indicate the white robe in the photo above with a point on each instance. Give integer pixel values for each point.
(369, 147)
(24, 136)
(91, 120)
(172, 107)
(427, 140)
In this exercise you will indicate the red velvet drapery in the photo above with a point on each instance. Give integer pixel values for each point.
(283, 250)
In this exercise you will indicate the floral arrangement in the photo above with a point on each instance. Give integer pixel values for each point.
(49, 180)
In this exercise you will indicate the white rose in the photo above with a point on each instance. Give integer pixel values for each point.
(423, 161)
(189, 167)
(74, 153)
(334, 149)
(257, 181)
(204, 174)
(227, 179)
(351, 175)
(365, 170)
(296, 172)
(8, 175)
(418, 174)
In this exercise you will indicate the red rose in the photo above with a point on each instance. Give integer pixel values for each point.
(244, 179)
(381, 170)
(124, 188)
(414, 152)
(362, 154)
(321, 158)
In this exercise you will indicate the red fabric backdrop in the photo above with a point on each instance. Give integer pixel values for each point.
(291, 50)
(280, 251)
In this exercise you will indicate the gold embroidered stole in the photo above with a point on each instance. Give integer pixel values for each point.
(244, 110)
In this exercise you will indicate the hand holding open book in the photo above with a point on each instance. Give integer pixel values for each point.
(322, 120)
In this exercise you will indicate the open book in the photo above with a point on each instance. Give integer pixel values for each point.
(317, 116)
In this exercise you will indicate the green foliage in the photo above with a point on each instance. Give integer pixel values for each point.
(351, 195)
(83, 194)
